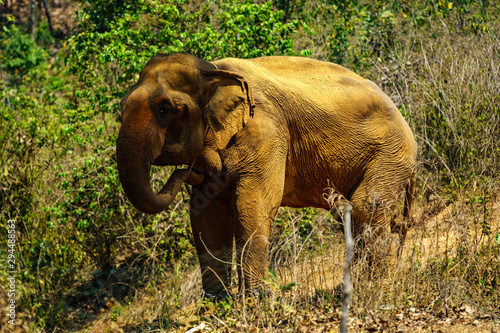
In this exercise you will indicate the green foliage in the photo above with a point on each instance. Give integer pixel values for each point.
(94, 226)
(33, 143)
(101, 15)
(19, 53)
(456, 16)
(348, 32)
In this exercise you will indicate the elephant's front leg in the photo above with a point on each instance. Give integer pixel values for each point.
(212, 224)
(256, 203)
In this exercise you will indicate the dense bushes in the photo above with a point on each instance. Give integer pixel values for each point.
(60, 118)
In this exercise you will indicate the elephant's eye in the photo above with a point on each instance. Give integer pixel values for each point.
(164, 107)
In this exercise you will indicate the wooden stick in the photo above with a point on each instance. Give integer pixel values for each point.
(349, 243)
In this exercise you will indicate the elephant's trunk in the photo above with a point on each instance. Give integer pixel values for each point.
(137, 147)
(134, 172)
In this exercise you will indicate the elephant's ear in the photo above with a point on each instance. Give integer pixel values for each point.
(229, 105)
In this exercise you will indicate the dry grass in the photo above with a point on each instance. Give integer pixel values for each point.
(447, 88)
(439, 282)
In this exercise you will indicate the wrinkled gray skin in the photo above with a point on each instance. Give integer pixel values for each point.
(262, 133)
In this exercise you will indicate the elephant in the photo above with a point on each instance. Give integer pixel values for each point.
(257, 134)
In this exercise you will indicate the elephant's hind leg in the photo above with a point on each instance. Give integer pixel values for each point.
(375, 202)
(212, 224)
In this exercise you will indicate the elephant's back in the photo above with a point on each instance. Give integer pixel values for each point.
(326, 85)
(292, 70)
(327, 93)
(304, 69)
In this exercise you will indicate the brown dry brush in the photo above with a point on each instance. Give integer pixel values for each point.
(448, 89)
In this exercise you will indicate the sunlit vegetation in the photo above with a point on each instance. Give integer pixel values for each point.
(86, 259)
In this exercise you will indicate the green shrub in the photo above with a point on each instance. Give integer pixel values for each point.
(19, 52)
(462, 16)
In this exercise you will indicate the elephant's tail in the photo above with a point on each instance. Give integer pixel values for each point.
(402, 228)
(410, 188)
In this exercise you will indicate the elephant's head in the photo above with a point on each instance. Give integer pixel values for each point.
(165, 118)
